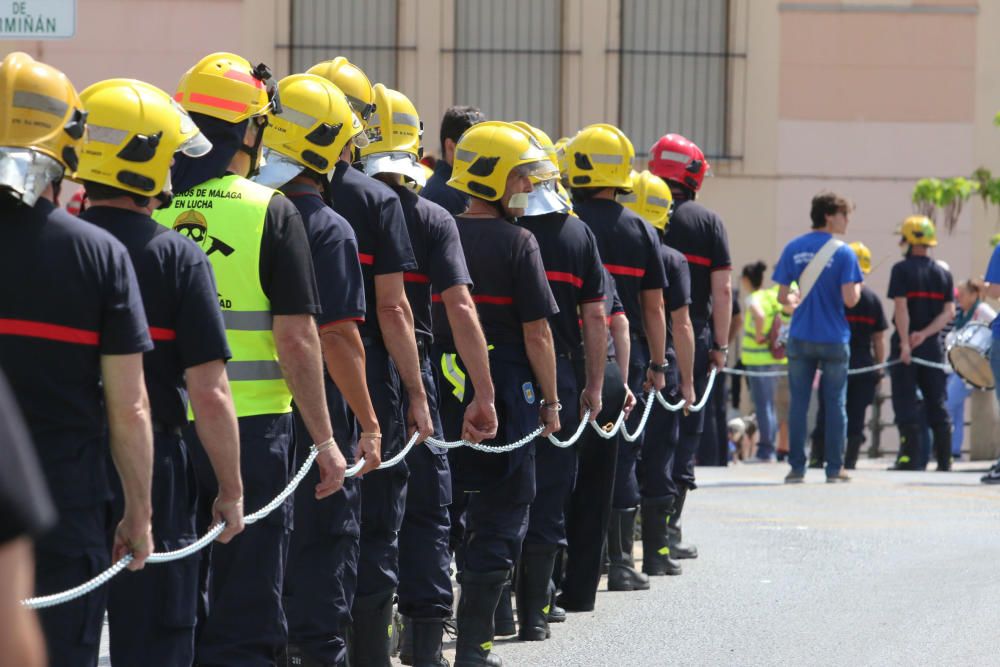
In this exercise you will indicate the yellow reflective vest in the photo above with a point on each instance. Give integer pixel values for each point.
(754, 353)
(225, 216)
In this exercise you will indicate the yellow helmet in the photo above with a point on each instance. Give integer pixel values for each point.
(42, 128)
(227, 87)
(864, 256)
(919, 230)
(314, 125)
(394, 132)
(545, 197)
(650, 199)
(134, 129)
(560, 146)
(600, 156)
(488, 152)
(353, 81)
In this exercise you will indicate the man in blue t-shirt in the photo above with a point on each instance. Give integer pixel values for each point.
(820, 334)
(993, 291)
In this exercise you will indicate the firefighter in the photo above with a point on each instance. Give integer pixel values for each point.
(135, 130)
(256, 242)
(71, 325)
(599, 161)
(923, 305)
(425, 593)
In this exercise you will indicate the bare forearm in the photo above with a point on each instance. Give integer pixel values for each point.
(902, 320)
(595, 345)
(301, 363)
(622, 342)
(939, 322)
(397, 331)
(21, 640)
(542, 358)
(722, 305)
(878, 342)
(215, 421)
(470, 342)
(345, 361)
(683, 343)
(655, 324)
(129, 428)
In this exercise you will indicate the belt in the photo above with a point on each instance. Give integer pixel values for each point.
(164, 428)
(423, 347)
(571, 355)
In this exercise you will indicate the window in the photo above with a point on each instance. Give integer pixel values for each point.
(364, 32)
(675, 71)
(508, 59)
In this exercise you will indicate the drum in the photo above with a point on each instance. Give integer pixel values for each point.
(969, 354)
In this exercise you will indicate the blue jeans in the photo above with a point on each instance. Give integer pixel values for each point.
(995, 364)
(958, 391)
(804, 357)
(762, 391)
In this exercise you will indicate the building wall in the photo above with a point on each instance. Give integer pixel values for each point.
(859, 97)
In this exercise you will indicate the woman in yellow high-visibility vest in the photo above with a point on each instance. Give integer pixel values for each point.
(761, 307)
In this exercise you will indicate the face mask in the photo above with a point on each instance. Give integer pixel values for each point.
(519, 200)
(277, 169)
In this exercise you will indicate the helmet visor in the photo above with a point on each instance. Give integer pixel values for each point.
(277, 169)
(537, 171)
(26, 173)
(545, 199)
(196, 144)
(402, 164)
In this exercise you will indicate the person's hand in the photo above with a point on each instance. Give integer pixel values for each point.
(418, 419)
(480, 421)
(548, 416)
(590, 399)
(654, 380)
(687, 393)
(370, 448)
(332, 467)
(134, 535)
(228, 508)
(916, 338)
(630, 402)
(717, 360)
(905, 355)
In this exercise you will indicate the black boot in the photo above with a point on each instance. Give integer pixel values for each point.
(656, 560)
(478, 602)
(909, 441)
(425, 642)
(678, 549)
(621, 573)
(854, 443)
(817, 452)
(942, 446)
(503, 619)
(532, 584)
(371, 629)
(556, 613)
(404, 631)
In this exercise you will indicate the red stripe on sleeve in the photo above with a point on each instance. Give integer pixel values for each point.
(493, 300)
(412, 277)
(698, 259)
(619, 270)
(47, 331)
(936, 296)
(159, 333)
(564, 277)
(366, 259)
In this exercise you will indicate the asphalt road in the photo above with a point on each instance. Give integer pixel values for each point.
(890, 569)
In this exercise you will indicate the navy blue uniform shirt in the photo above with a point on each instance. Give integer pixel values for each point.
(927, 287)
(574, 271)
(677, 293)
(866, 318)
(68, 294)
(438, 191)
(630, 252)
(440, 260)
(373, 210)
(700, 236)
(181, 303)
(509, 277)
(334, 250)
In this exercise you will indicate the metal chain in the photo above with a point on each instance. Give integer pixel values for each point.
(576, 435)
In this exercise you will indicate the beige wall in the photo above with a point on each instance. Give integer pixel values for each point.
(861, 97)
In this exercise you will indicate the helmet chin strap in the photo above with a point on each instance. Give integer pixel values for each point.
(254, 152)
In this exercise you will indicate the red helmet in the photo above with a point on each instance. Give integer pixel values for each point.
(674, 158)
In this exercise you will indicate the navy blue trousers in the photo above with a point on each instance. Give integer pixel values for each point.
(383, 492)
(244, 622)
(692, 424)
(555, 467)
(152, 613)
(626, 486)
(424, 558)
(495, 489)
(322, 570)
(656, 462)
